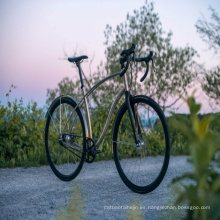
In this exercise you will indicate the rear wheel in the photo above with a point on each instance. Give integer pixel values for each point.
(65, 161)
(141, 168)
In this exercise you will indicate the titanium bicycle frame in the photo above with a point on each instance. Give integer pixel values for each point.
(124, 91)
(84, 100)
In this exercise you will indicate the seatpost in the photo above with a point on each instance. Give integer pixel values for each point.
(80, 74)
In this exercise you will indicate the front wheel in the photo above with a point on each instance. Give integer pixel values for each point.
(142, 168)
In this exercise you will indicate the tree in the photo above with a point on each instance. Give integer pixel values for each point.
(69, 87)
(210, 33)
(174, 66)
(211, 84)
(65, 86)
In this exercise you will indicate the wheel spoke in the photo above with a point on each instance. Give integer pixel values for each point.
(66, 115)
(54, 123)
(73, 124)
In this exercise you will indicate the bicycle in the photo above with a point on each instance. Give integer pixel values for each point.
(136, 145)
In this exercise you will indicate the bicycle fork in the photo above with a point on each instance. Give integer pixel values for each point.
(131, 112)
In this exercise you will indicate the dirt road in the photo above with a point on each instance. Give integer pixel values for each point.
(36, 193)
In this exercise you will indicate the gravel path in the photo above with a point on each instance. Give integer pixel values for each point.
(36, 193)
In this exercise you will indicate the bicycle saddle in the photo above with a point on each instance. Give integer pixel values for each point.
(77, 59)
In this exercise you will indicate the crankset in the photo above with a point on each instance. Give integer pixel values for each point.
(91, 150)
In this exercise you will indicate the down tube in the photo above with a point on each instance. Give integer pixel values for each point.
(109, 117)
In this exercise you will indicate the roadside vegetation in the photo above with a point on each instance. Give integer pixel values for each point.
(22, 127)
(199, 189)
(22, 134)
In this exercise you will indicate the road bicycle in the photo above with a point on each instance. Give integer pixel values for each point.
(140, 139)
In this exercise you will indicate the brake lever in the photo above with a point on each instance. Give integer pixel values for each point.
(145, 75)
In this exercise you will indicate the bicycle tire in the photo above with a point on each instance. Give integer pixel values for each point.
(121, 126)
(64, 162)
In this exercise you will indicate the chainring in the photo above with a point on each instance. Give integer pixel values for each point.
(90, 156)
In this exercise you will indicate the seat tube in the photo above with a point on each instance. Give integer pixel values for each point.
(85, 99)
(87, 113)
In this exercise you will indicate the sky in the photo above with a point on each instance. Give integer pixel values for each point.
(35, 34)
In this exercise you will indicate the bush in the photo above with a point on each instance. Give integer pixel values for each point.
(203, 187)
(21, 134)
(179, 139)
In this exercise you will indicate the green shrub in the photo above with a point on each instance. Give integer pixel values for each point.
(21, 135)
(203, 188)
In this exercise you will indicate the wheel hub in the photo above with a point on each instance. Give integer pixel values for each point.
(67, 138)
(140, 145)
(143, 144)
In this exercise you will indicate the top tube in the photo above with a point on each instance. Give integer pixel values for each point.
(99, 83)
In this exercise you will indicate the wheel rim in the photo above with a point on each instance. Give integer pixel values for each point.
(141, 166)
(65, 160)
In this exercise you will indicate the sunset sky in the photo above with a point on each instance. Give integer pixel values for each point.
(34, 35)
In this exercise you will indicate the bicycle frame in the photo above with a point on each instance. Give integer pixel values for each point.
(84, 100)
